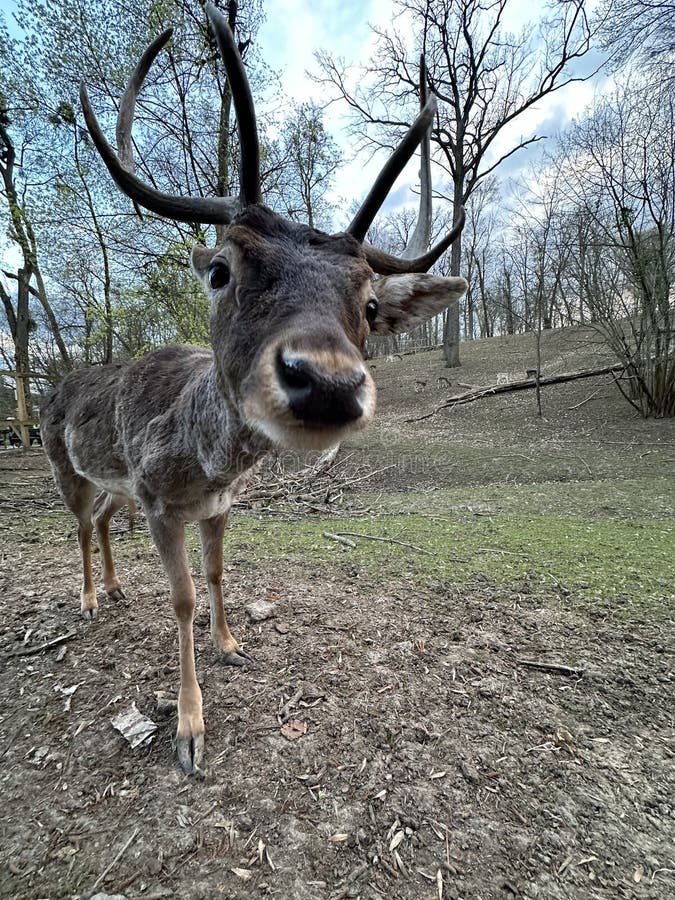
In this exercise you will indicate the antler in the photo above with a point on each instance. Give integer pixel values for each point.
(387, 264)
(209, 211)
(249, 146)
(414, 258)
(221, 210)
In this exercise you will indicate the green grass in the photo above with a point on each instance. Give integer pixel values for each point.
(632, 561)
(622, 498)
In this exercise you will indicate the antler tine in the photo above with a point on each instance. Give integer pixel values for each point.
(387, 264)
(125, 116)
(215, 211)
(392, 169)
(249, 147)
(413, 258)
(421, 236)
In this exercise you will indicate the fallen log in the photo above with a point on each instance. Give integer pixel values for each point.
(524, 385)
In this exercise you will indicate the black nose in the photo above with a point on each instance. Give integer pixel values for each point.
(320, 397)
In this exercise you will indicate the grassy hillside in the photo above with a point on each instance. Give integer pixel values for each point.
(581, 499)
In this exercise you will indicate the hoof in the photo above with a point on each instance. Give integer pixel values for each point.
(116, 593)
(89, 614)
(190, 752)
(237, 657)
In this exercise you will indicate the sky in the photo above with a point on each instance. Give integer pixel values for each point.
(342, 27)
(294, 31)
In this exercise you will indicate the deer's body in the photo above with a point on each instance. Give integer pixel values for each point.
(178, 430)
(156, 431)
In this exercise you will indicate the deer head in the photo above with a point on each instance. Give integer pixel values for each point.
(291, 306)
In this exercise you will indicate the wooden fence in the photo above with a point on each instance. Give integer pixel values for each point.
(23, 425)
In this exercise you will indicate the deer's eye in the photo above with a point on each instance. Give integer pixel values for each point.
(219, 275)
(371, 311)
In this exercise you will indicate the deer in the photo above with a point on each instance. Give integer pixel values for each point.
(178, 431)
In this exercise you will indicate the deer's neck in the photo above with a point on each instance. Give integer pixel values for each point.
(224, 446)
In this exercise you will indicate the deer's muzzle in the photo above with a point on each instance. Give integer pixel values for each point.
(309, 392)
(319, 397)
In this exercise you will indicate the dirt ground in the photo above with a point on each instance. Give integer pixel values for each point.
(425, 760)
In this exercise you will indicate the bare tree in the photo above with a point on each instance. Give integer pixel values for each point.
(301, 165)
(482, 222)
(485, 76)
(639, 30)
(28, 275)
(618, 169)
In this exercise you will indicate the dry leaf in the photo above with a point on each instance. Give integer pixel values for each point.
(637, 874)
(338, 838)
(396, 840)
(438, 775)
(294, 729)
(244, 874)
(399, 863)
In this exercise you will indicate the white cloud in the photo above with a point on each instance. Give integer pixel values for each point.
(288, 42)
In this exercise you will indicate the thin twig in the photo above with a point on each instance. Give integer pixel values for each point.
(285, 711)
(551, 667)
(117, 859)
(38, 648)
(371, 537)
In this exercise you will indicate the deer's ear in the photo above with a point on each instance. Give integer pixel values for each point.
(407, 300)
(201, 260)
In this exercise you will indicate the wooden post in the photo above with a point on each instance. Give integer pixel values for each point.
(22, 410)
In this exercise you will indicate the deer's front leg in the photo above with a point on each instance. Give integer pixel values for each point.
(169, 537)
(212, 531)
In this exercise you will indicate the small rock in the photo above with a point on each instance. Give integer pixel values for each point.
(101, 896)
(281, 628)
(260, 610)
(469, 772)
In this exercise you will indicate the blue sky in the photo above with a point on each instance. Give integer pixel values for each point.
(294, 31)
(341, 27)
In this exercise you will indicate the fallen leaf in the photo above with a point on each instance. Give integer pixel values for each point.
(396, 840)
(294, 729)
(338, 838)
(244, 874)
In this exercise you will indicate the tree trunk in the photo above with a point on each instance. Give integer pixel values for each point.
(23, 330)
(451, 336)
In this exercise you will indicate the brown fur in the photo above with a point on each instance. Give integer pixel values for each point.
(178, 430)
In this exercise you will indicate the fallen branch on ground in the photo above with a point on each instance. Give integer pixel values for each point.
(551, 667)
(384, 540)
(338, 538)
(38, 648)
(524, 385)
